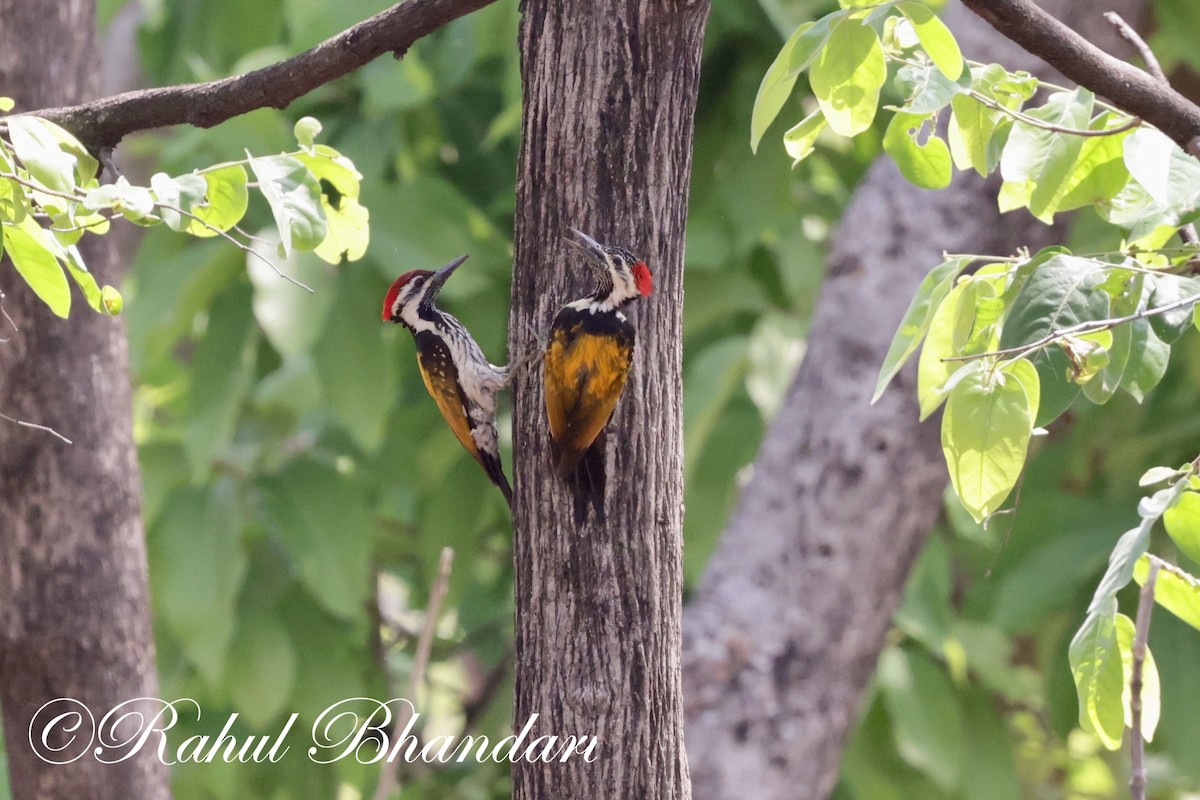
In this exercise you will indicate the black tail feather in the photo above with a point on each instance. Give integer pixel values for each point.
(588, 482)
(491, 465)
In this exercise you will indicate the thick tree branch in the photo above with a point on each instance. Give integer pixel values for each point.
(102, 123)
(1128, 87)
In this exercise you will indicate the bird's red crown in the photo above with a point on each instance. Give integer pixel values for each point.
(397, 286)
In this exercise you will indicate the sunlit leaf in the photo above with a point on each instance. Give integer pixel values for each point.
(1099, 676)
(1151, 692)
(848, 76)
(32, 251)
(933, 289)
(1175, 590)
(224, 204)
(985, 436)
(295, 198)
(924, 164)
(935, 38)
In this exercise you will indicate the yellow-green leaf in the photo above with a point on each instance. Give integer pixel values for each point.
(775, 89)
(1183, 524)
(935, 38)
(32, 251)
(985, 436)
(348, 230)
(1099, 676)
(1174, 590)
(848, 76)
(1151, 692)
(799, 141)
(224, 204)
(925, 165)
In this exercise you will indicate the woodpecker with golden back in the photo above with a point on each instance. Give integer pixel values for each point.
(587, 360)
(458, 376)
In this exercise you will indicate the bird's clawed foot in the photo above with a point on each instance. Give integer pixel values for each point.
(535, 348)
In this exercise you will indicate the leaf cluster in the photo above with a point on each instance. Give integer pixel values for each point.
(51, 197)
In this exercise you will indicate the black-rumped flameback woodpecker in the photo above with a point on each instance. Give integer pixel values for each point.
(587, 360)
(458, 376)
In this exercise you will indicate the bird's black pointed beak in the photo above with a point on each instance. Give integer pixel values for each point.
(592, 250)
(439, 277)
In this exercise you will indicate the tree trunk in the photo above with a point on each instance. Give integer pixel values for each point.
(74, 602)
(786, 624)
(610, 90)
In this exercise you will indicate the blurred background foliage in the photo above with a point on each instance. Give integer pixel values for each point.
(299, 484)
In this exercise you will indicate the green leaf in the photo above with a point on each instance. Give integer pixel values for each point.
(1044, 159)
(1105, 384)
(810, 42)
(33, 253)
(348, 230)
(199, 566)
(925, 165)
(1151, 691)
(1130, 547)
(1099, 676)
(295, 199)
(52, 156)
(1061, 292)
(932, 371)
(183, 193)
(848, 76)
(1174, 589)
(262, 669)
(800, 139)
(1148, 357)
(935, 38)
(1026, 374)
(359, 399)
(1169, 176)
(306, 130)
(85, 280)
(1157, 475)
(291, 318)
(221, 374)
(971, 131)
(776, 87)
(985, 436)
(1182, 521)
(930, 294)
(926, 719)
(321, 519)
(6, 104)
(1100, 171)
(926, 89)
(1168, 289)
(224, 204)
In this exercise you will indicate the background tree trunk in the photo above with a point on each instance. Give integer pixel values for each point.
(785, 627)
(74, 602)
(610, 90)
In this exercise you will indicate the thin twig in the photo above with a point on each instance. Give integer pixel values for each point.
(1130, 124)
(7, 317)
(25, 424)
(1188, 232)
(1090, 326)
(250, 251)
(1141, 633)
(245, 248)
(388, 780)
(1126, 32)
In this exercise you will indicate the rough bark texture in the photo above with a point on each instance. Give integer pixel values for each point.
(610, 90)
(786, 625)
(74, 604)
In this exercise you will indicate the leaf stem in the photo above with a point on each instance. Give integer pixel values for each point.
(1141, 632)
(387, 777)
(1090, 326)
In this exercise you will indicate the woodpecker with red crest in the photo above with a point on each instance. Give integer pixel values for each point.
(587, 359)
(458, 376)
